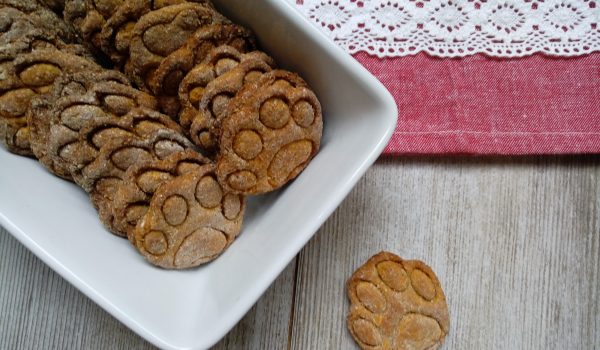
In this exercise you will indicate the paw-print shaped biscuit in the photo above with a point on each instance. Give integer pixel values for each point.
(103, 177)
(89, 16)
(219, 61)
(191, 220)
(140, 122)
(171, 71)
(159, 33)
(20, 19)
(32, 74)
(215, 98)
(72, 113)
(115, 37)
(141, 182)
(270, 132)
(39, 114)
(396, 304)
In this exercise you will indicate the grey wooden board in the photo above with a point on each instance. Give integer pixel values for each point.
(514, 242)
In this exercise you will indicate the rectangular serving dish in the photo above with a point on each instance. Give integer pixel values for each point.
(193, 309)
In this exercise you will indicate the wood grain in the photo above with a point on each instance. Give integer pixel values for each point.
(40, 310)
(515, 243)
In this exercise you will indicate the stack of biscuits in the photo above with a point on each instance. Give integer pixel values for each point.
(164, 112)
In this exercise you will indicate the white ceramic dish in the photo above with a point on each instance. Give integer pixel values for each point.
(194, 309)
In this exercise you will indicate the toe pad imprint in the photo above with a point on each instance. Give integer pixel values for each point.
(396, 304)
(191, 220)
(270, 131)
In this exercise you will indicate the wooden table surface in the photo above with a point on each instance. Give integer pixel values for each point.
(515, 243)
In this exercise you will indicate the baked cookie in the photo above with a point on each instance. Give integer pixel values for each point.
(270, 132)
(16, 15)
(213, 100)
(88, 17)
(139, 122)
(39, 114)
(104, 175)
(140, 182)
(22, 5)
(30, 75)
(396, 304)
(193, 84)
(191, 220)
(55, 5)
(164, 82)
(115, 36)
(158, 33)
(105, 100)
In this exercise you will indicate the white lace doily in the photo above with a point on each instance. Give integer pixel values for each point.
(457, 28)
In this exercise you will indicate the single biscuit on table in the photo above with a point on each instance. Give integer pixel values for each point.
(396, 304)
(105, 100)
(214, 99)
(191, 220)
(30, 75)
(39, 114)
(165, 81)
(132, 199)
(104, 175)
(270, 132)
(159, 33)
(116, 33)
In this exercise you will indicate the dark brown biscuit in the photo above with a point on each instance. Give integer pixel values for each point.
(396, 304)
(39, 115)
(139, 122)
(55, 5)
(104, 101)
(141, 180)
(21, 5)
(88, 17)
(165, 80)
(271, 130)
(195, 81)
(214, 99)
(116, 32)
(103, 177)
(158, 33)
(191, 220)
(31, 74)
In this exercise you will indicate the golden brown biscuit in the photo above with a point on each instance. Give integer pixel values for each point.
(158, 33)
(396, 304)
(191, 220)
(270, 132)
(214, 98)
(164, 82)
(116, 32)
(39, 115)
(30, 75)
(72, 113)
(103, 177)
(141, 180)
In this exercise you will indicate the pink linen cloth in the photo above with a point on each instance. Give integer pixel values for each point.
(484, 105)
